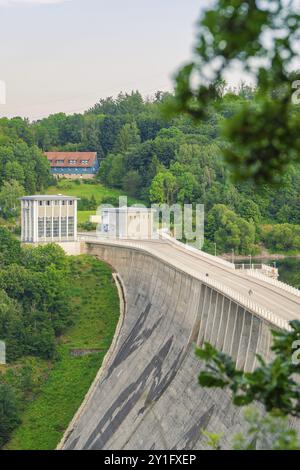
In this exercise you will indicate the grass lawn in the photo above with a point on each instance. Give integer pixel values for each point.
(87, 190)
(95, 304)
(84, 216)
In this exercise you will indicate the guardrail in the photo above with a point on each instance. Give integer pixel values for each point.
(227, 291)
(274, 282)
(197, 252)
(260, 311)
(241, 299)
(269, 271)
(259, 266)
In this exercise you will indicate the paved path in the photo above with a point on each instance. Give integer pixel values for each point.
(280, 302)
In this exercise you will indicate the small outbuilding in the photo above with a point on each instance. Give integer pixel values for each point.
(127, 222)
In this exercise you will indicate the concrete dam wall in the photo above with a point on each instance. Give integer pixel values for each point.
(148, 396)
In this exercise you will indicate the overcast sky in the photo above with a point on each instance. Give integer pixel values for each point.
(63, 55)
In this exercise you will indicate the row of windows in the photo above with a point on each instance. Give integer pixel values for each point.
(71, 162)
(47, 224)
(88, 169)
(27, 204)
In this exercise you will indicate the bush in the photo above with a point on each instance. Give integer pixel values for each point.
(85, 204)
(111, 200)
(88, 226)
(281, 237)
(9, 417)
(229, 231)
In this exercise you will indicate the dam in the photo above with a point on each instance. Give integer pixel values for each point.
(146, 395)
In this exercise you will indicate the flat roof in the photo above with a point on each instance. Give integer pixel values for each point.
(49, 197)
(127, 209)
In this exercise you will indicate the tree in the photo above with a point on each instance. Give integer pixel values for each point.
(10, 249)
(249, 210)
(282, 237)
(186, 183)
(163, 188)
(34, 301)
(129, 135)
(9, 198)
(14, 171)
(38, 258)
(275, 385)
(9, 417)
(116, 170)
(262, 133)
(229, 231)
(266, 432)
(282, 393)
(11, 327)
(132, 183)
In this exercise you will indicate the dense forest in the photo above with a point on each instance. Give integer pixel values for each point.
(49, 303)
(158, 159)
(34, 310)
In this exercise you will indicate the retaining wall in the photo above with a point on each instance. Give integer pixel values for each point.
(148, 396)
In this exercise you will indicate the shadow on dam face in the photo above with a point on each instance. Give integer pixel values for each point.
(148, 396)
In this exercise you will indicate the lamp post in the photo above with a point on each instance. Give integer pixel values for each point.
(232, 255)
(215, 249)
(250, 257)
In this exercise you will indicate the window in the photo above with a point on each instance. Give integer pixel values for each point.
(60, 162)
(71, 203)
(84, 162)
(56, 227)
(48, 203)
(64, 226)
(71, 226)
(48, 227)
(40, 203)
(41, 227)
(73, 162)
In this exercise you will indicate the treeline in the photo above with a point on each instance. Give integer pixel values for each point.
(34, 312)
(23, 167)
(33, 297)
(160, 160)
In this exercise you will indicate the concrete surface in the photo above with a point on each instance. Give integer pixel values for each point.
(147, 396)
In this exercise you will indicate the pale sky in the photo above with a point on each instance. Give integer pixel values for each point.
(64, 55)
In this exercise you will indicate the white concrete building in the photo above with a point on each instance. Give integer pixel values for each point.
(49, 219)
(126, 222)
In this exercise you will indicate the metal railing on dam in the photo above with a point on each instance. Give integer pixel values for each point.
(274, 282)
(222, 288)
(147, 396)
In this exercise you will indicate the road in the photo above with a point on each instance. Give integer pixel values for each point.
(280, 302)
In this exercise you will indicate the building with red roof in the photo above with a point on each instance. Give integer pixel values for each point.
(73, 165)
